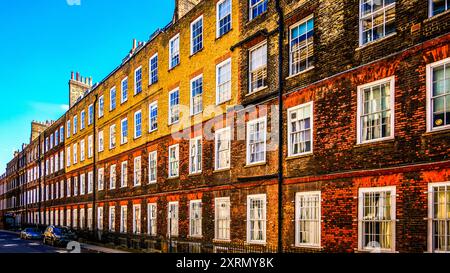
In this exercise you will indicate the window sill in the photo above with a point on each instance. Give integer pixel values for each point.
(256, 164)
(173, 178)
(431, 18)
(256, 91)
(256, 243)
(437, 131)
(154, 130)
(300, 73)
(221, 241)
(218, 37)
(196, 52)
(376, 141)
(222, 102)
(358, 250)
(299, 246)
(376, 41)
(194, 174)
(173, 67)
(222, 170)
(308, 154)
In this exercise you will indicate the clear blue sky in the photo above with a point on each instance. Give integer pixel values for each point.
(42, 41)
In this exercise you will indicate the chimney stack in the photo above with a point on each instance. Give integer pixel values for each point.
(77, 87)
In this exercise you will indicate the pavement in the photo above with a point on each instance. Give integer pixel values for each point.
(11, 243)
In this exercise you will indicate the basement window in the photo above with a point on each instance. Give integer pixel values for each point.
(377, 19)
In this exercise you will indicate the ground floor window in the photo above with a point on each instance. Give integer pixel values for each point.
(307, 219)
(439, 219)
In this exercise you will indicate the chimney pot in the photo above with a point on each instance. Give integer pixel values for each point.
(134, 44)
(72, 76)
(78, 76)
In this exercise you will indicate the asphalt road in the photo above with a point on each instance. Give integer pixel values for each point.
(11, 243)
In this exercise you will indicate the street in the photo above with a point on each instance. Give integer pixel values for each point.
(11, 243)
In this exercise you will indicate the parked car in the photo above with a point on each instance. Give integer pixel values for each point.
(59, 236)
(31, 234)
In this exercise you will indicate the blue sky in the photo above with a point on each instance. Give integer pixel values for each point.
(42, 41)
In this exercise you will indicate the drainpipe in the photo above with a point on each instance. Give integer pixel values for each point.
(40, 180)
(280, 123)
(94, 163)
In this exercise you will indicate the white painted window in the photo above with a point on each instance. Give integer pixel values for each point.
(376, 20)
(112, 218)
(300, 129)
(438, 95)
(174, 106)
(68, 157)
(90, 114)
(153, 65)
(82, 120)
(124, 174)
(69, 217)
(197, 95)
(256, 141)
(172, 220)
(376, 111)
(137, 172)
(69, 187)
(82, 151)
(75, 153)
(100, 218)
(90, 183)
(89, 218)
(138, 124)
(75, 124)
(222, 148)
(90, 146)
(222, 218)
(68, 129)
(124, 131)
(195, 155)
(61, 134)
(223, 20)
(256, 218)
(112, 177)
(153, 169)
(308, 219)
(137, 219)
(101, 179)
(123, 219)
(153, 116)
(174, 51)
(124, 90)
(197, 35)
(173, 161)
(101, 106)
(112, 99)
(195, 218)
(376, 219)
(152, 219)
(101, 142)
(56, 217)
(82, 183)
(258, 68)
(257, 7)
(61, 188)
(75, 218)
(223, 82)
(301, 46)
(438, 6)
(138, 80)
(112, 136)
(82, 218)
(439, 217)
(75, 186)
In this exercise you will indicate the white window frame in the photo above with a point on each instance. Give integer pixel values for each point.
(249, 123)
(68, 132)
(111, 99)
(393, 213)
(150, 110)
(112, 136)
(262, 197)
(151, 71)
(150, 155)
(195, 167)
(227, 132)
(123, 98)
(308, 66)
(177, 36)
(430, 8)
(170, 227)
(101, 106)
(298, 196)
(112, 218)
(200, 18)
(124, 174)
(431, 219)
(82, 120)
(90, 146)
(152, 219)
(101, 141)
(229, 83)
(218, 35)
(135, 81)
(250, 67)
(90, 114)
(391, 81)
(177, 160)
(193, 221)
(177, 106)
(136, 124)
(100, 218)
(90, 182)
(192, 98)
(250, 16)
(75, 125)
(137, 172)
(137, 225)
(293, 109)
(217, 203)
(112, 177)
(101, 179)
(123, 138)
(361, 43)
(429, 87)
(123, 218)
